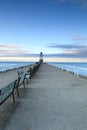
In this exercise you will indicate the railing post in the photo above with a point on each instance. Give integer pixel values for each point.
(77, 71)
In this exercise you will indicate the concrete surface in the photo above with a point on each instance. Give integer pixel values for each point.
(53, 100)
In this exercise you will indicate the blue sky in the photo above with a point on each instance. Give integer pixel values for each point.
(58, 28)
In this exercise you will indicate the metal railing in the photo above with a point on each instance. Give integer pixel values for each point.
(79, 69)
(74, 69)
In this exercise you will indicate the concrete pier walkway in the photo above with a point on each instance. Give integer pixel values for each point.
(53, 100)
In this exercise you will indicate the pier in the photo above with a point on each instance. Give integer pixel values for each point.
(53, 100)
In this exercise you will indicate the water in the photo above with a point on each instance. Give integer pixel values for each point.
(75, 67)
(11, 65)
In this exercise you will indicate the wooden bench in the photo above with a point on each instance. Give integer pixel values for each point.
(7, 91)
(22, 76)
(33, 69)
(25, 75)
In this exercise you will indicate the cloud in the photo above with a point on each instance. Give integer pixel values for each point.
(66, 47)
(77, 38)
(14, 51)
(7, 46)
(82, 52)
(82, 3)
(70, 50)
(77, 54)
(62, 55)
(10, 50)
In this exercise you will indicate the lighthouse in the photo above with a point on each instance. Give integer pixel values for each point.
(41, 58)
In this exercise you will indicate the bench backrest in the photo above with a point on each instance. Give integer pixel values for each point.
(6, 91)
(21, 74)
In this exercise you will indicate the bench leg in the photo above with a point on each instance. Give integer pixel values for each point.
(17, 92)
(24, 84)
(27, 81)
(13, 97)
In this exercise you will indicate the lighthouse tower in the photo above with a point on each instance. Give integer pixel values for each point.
(41, 58)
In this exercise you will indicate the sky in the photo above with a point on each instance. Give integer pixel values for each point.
(58, 28)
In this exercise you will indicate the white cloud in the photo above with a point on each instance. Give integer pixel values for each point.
(10, 50)
(14, 51)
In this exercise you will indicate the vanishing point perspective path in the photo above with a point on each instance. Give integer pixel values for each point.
(53, 100)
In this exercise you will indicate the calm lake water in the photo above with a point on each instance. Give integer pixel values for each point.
(11, 65)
